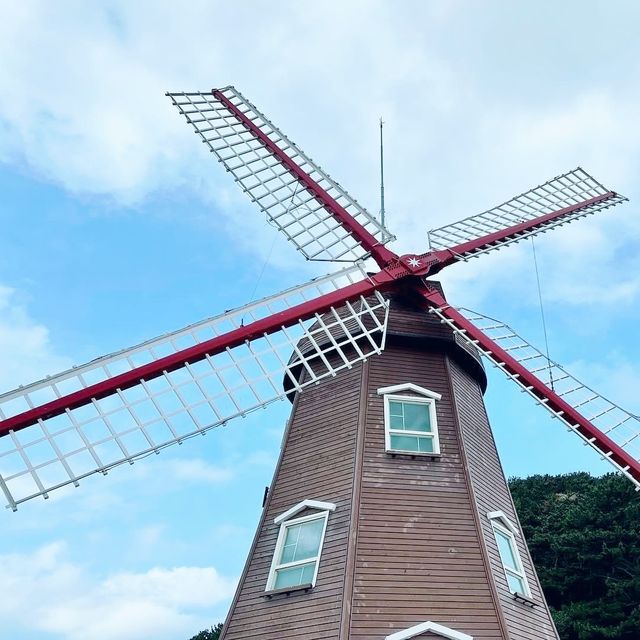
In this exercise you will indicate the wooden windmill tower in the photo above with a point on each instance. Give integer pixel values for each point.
(389, 516)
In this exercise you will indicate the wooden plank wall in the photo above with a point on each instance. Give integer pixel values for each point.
(317, 463)
(492, 494)
(419, 553)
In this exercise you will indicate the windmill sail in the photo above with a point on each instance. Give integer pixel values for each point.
(313, 211)
(563, 199)
(603, 425)
(134, 405)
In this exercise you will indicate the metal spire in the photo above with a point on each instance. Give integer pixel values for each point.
(381, 176)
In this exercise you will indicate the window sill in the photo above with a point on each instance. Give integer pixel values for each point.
(287, 591)
(413, 454)
(520, 597)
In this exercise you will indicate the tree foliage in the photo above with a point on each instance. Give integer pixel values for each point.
(584, 537)
(209, 634)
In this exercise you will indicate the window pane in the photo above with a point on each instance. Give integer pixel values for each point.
(290, 544)
(419, 444)
(294, 576)
(405, 443)
(396, 422)
(426, 445)
(395, 408)
(307, 573)
(506, 550)
(309, 541)
(416, 417)
(515, 584)
(302, 541)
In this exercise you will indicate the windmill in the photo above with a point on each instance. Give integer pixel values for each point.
(388, 515)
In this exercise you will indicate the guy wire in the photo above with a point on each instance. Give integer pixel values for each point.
(544, 323)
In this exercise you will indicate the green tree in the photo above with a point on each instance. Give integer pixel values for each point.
(584, 537)
(209, 634)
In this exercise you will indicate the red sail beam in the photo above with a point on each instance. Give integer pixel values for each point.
(553, 401)
(368, 241)
(196, 353)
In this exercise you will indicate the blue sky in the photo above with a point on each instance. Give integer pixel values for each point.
(117, 226)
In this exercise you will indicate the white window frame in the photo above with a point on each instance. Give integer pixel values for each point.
(430, 402)
(502, 524)
(282, 534)
(426, 627)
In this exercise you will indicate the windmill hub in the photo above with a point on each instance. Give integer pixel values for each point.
(413, 263)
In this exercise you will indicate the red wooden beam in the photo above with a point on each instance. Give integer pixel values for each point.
(198, 352)
(370, 243)
(601, 441)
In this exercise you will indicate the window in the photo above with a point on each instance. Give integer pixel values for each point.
(504, 532)
(410, 421)
(299, 546)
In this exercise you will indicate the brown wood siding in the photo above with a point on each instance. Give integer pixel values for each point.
(407, 543)
(492, 494)
(418, 549)
(317, 463)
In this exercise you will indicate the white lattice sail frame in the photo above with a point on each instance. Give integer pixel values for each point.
(563, 191)
(615, 422)
(135, 422)
(288, 205)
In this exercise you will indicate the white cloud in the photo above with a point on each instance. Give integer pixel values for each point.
(84, 105)
(26, 352)
(98, 494)
(47, 592)
(584, 263)
(593, 128)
